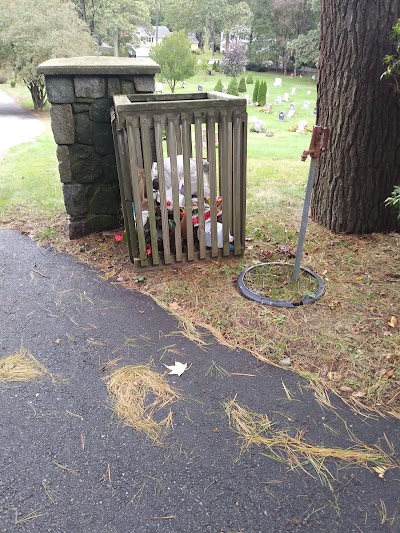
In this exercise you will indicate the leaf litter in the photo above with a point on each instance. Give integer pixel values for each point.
(137, 393)
(21, 366)
(285, 446)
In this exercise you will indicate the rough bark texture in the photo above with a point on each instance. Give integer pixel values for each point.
(362, 164)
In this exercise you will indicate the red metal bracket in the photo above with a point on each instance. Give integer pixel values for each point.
(318, 144)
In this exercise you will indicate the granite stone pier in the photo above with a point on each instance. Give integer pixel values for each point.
(80, 90)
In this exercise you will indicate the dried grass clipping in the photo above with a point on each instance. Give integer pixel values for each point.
(137, 393)
(256, 429)
(20, 366)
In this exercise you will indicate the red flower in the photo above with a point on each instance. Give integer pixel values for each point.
(118, 238)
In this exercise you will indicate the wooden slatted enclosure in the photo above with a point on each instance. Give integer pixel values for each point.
(181, 163)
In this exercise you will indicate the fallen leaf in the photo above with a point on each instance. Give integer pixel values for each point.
(345, 388)
(389, 373)
(174, 306)
(393, 322)
(285, 362)
(334, 376)
(177, 369)
(57, 341)
(358, 394)
(380, 372)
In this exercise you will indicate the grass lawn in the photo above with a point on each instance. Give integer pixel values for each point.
(348, 342)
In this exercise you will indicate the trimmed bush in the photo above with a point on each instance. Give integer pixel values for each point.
(242, 85)
(249, 80)
(233, 87)
(215, 66)
(218, 86)
(262, 93)
(255, 91)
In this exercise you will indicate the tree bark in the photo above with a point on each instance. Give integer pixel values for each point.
(362, 164)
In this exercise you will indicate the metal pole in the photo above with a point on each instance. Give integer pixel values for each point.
(303, 226)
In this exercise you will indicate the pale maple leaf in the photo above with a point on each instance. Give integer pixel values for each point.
(178, 368)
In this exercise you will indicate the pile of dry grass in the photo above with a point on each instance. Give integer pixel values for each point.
(256, 429)
(137, 394)
(20, 366)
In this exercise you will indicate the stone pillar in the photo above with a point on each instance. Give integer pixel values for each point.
(80, 90)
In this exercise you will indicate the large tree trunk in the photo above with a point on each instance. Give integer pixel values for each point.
(362, 164)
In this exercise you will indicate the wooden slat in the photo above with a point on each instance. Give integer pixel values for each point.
(200, 182)
(236, 183)
(162, 189)
(147, 160)
(229, 158)
(171, 144)
(213, 181)
(243, 180)
(137, 201)
(125, 190)
(186, 146)
(225, 178)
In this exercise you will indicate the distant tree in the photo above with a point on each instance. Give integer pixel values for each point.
(175, 59)
(233, 87)
(52, 29)
(215, 66)
(255, 91)
(112, 19)
(235, 60)
(249, 79)
(305, 48)
(218, 86)
(262, 93)
(242, 85)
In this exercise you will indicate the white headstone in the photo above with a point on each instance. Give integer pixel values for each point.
(301, 126)
(308, 92)
(268, 107)
(286, 97)
(158, 87)
(248, 99)
(313, 78)
(277, 82)
(292, 107)
(258, 126)
(293, 91)
(278, 100)
(306, 104)
(291, 113)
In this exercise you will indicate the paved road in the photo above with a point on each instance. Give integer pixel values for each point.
(17, 125)
(73, 321)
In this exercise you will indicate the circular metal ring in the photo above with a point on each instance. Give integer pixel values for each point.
(247, 293)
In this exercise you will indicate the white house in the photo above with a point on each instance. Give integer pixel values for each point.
(149, 38)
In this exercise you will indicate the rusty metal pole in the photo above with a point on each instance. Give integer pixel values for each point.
(318, 145)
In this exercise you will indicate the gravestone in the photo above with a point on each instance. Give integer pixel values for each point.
(293, 91)
(292, 107)
(248, 99)
(313, 78)
(291, 113)
(278, 100)
(268, 108)
(308, 92)
(301, 126)
(282, 116)
(286, 97)
(200, 88)
(315, 111)
(306, 104)
(277, 82)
